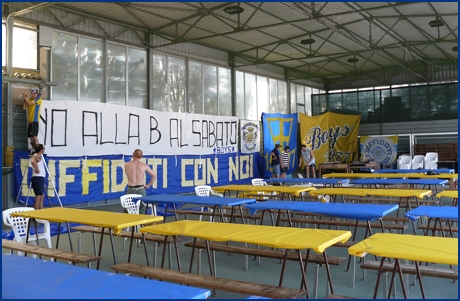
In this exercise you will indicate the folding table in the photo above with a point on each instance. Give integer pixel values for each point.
(33, 278)
(442, 250)
(436, 213)
(361, 192)
(303, 181)
(210, 201)
(439, 170)
(290, 190)
(234, 187)
(401, 194)
(410, 182)
(269, 236)
(449, 194)
(114, 221)
(366, 212)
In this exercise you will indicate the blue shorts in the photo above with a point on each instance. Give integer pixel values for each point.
(38, 184)
(277, 169)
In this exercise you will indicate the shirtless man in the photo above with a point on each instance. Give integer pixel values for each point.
(135, 171)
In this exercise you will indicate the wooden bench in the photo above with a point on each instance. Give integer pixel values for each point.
(73, 257)
(400, 227)
(230, 285)
(333, 296)
(429, 271)
(438, 227)
(157, 239)
(236, 214)
(275, 254)
(413, 203)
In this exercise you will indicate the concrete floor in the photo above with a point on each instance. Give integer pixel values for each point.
(232, 266)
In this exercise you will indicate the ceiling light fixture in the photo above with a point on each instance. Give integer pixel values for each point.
(353, 60)
(307, 41)
(455, 48)
(436, 23)
(233, 9)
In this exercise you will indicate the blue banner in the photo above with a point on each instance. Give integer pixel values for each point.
(88, 179)
(282, 129)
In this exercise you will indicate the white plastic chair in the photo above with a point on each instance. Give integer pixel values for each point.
(258, 182)
(431, 160)
(132, 208)
(404, 162)
(20, 227)
(418, 162)
(206, 190)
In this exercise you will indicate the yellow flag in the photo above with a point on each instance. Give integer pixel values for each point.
(332, 137)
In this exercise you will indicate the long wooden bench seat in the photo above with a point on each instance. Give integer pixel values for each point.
(333, 296)
(73, 257)
(350, 223)
(230, 285)
(438, 227)
(314, 258)
(236, 214)
(125, 234)
(413, 203)
(429, 271)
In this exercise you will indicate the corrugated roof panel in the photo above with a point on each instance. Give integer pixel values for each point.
(420, 8)
(254, 38)
(445, 7)
(286, 31)
(225, 43)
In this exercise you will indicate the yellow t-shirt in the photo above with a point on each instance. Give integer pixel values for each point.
(33, 111)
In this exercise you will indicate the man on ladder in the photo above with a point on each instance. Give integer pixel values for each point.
(33, 106)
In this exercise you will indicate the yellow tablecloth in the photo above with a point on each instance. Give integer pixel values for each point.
(269, 236)
(442, 250)
(340, 191)
(294, 190)
(453, 176)
(114, 220)
(448, 194)
(233, 187)
(400, 193)
(365, 175)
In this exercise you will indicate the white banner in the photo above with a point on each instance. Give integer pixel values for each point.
(250, 136)
(74, 128)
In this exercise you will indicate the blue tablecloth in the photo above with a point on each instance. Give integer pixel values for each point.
(441, 170)
(352, 211)
(433, 212)
(33, 278)
(400, 181)
(196, 200)
(306, 181)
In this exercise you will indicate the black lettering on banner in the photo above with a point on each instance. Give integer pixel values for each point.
(86, 126)
(204, 136)
(58, 119)
(212, 133)
(181, 134)
(102, 130)
(177, 130)
(220, 133)
(131, 117)
(233, 132)
(196, 132)
(173, 122)
(116, 131)
(45, 122)
(154, 132)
